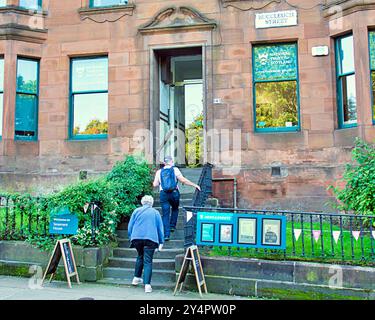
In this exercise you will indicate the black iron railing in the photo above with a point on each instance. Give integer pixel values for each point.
(205, 183)
(199, 200)
(309, 235)
(21, 217)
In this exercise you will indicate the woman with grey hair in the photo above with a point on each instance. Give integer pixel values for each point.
(146, 234)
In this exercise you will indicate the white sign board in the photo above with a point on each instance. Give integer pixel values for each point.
(276, 19)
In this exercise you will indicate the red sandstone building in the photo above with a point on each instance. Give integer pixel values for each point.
(271, 92)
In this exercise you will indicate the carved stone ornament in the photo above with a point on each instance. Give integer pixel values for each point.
(177, 18)
(249, 4)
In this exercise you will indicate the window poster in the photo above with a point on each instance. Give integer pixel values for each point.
(372, 50)
(226, 233)
(208, 232)
(271, 232)
(247, 230)
(275, 62)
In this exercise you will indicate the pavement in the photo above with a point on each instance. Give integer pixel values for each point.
(16, 288)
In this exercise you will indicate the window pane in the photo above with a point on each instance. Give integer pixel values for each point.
(275, 62)
(90, 114)
(27, 76)
(347, 55)
(349, 99)
(103, 3)
(276, 104)
(1, 114)
(1, 75)
(3, 3)
(90, 74)
(26, 106)
(373, 94)
(31, 4)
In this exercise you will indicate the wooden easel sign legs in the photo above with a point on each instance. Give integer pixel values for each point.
(63, 248)
(192, 255)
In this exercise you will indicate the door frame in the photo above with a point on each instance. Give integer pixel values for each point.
(154, 94)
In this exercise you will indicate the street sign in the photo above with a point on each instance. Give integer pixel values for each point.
(63, 248)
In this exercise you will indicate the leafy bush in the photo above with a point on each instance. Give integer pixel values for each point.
(358, 195)
(129, 181)
(116, 194)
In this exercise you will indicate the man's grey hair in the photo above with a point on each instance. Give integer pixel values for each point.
(147, 200)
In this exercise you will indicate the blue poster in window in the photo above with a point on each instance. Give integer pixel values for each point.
(372, 50)
(275, 62)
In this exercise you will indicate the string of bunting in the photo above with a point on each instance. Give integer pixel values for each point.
(336, 234)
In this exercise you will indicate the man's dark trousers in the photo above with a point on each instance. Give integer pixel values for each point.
(145, 249)
(168, 201)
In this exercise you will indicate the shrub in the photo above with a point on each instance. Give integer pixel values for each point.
(358, 195)
(129, 180)
(116, 194)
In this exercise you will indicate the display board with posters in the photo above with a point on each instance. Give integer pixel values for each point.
(241, 230)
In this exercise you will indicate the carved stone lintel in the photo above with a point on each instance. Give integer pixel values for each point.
(177, 18)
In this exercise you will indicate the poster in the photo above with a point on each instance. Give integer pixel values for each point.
(271, 232)
(372, 49)
(247, 230)
(275, 62)
(208, 232)
(226, 233)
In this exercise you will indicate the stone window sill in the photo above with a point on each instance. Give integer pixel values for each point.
(100, 10)
(21, 10)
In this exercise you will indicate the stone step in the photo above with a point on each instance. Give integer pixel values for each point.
(178, 234)
(127, 274)
(132, 253)
(167, 286)
(157, 264)
(171, 244)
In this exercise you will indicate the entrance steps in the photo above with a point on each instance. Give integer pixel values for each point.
(120, 269)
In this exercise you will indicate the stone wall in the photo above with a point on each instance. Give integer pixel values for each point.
(17, 259)
(287, 280)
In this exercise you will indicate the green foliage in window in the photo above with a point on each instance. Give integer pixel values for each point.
(276, 104)
(358, 195)
(94, 127)
(27, 87)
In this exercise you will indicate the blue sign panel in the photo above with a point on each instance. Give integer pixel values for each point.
(241, 230)
(63, 222)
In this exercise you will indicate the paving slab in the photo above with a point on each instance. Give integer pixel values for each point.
(15, 288)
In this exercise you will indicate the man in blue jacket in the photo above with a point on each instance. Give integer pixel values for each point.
(146, 233)
(167, 180)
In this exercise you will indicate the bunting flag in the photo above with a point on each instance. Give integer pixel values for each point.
(189, 215)
(336, 235)
(316, 234)
(297, 233)
(85, 207)
(95, 206)
(373, 234)
(356, 234)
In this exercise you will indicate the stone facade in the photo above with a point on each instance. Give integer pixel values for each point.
(310, 159)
